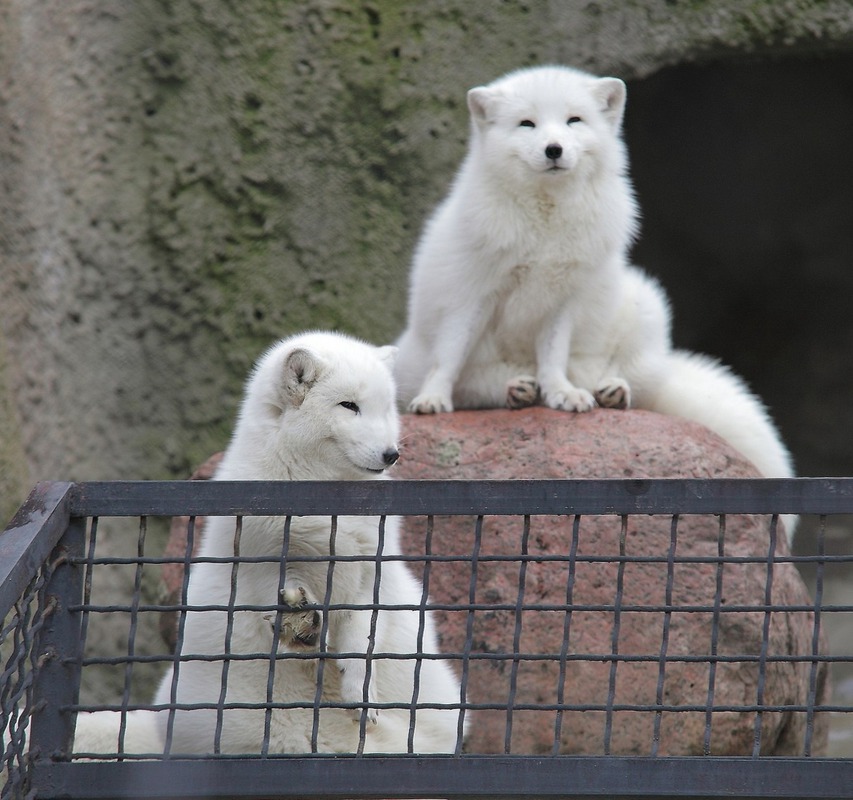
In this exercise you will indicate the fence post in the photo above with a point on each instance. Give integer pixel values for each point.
(56, 652)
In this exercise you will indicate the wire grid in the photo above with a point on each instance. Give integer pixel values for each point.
(474, 601)
(477, 664)
(21, 662)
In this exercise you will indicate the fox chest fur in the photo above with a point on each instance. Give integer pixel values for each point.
(551, 256)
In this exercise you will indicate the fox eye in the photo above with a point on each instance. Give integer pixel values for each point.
(527, 123)
(350, 406)
(573, 120)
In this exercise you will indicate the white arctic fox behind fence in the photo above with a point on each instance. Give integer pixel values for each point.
(318, 406)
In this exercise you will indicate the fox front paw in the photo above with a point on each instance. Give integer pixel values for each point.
(300, 626)
(522, 392)
(569, 399)
(613, 393)
(430, 404)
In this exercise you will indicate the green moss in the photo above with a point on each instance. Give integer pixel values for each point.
(449, 454)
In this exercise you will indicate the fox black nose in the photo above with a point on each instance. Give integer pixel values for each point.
(553, 151)
(390, 457)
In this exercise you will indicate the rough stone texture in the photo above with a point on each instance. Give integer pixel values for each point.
(540, 443)
(14, 477)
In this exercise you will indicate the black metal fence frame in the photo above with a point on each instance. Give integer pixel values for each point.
(50, 529)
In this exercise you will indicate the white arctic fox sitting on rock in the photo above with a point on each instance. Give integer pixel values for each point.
(521, 291)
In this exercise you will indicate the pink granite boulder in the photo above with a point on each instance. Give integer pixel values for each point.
(540, 443)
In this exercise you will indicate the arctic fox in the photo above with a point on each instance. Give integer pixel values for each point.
(521, 291)
(103, 732)
(318, 407)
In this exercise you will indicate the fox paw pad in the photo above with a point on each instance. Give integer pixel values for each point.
(522, 392)
(613, 393)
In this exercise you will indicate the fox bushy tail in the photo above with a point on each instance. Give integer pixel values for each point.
(701, 389)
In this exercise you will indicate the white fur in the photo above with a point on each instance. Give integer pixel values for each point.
(98, 732)
(297, 423)
(521, 290)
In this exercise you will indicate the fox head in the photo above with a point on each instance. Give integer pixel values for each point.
(553, 123)
(320, 406)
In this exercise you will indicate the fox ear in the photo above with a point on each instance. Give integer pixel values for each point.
(480, 101)
(388, 355)
(302, 369)
(611, 93)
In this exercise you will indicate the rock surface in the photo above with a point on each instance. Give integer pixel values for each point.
(539, 443)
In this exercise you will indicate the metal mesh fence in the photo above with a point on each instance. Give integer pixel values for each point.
(549, 626)
(21, 660)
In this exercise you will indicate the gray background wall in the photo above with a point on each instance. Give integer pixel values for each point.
(181, 183)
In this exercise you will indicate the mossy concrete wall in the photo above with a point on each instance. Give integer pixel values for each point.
(183, 182)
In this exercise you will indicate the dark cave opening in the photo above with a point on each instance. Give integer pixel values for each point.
(744, 175)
